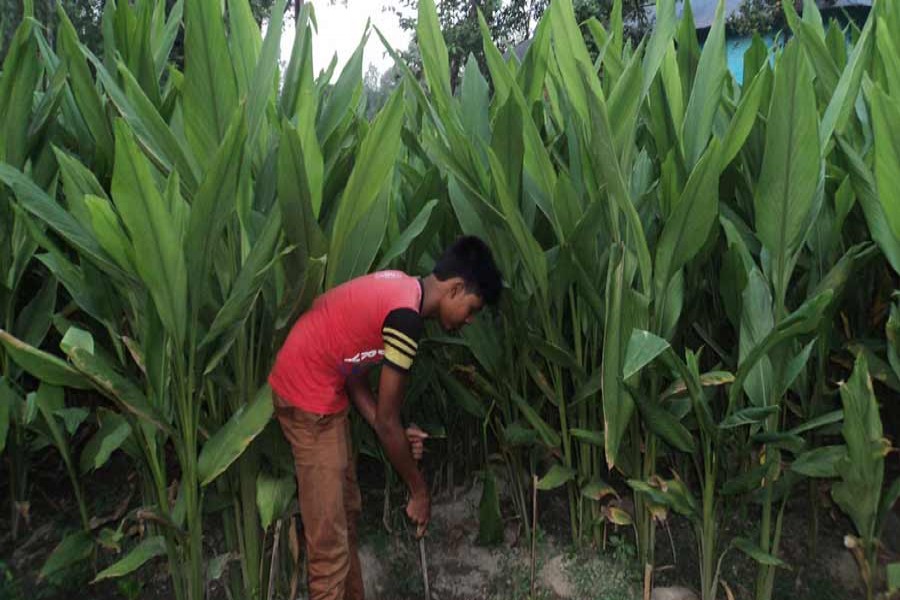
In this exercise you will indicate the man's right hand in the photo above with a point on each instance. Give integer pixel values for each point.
(419, 511)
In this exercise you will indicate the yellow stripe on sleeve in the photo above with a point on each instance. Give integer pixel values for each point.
(401, 336)
(399, 344)
(396, 357)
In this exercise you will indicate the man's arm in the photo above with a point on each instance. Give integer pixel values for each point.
(390, 431)
(360, 393)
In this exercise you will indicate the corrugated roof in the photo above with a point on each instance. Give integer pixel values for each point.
(705, 10)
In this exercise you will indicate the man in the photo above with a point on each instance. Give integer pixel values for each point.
(373, 319)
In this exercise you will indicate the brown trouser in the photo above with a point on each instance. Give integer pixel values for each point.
(329, 499)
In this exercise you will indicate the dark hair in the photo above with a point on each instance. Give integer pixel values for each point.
(470, 258)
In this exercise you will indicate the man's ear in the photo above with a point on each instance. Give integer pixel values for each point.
(458, 288)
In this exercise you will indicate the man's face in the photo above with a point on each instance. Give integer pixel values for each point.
(458, 307)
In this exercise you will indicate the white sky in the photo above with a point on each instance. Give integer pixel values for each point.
(340, 30)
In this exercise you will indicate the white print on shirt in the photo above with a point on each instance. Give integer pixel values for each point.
(388, 275)
(364, 356)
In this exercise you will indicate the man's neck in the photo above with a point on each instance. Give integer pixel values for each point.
(430, 295)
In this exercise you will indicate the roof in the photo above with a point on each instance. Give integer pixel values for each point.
(705, 10)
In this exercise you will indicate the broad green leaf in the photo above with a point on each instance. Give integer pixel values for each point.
(157, 250)
(21, 73)
(165, 43)
(273, 496)
(791, 165)
(858, 493)
(247, 286)
(33, 321)
(228, 443)
(210, 90)
(529, 249)
(435, 61)
(890, 56)
(826, 70)
(508, 146)
(78, 345)
(819, 462)
(36, 202)
(555, 353)
(109, 233)
(213, 203)
(840, 107)
(643, 348)
(113, 432)
(802, 321)
(706, 91)
(756, 553)
(659, 44)
(744, 118)
(474, 97)
(830, 418)
(361, 246)
(299, 188)
(344, 97)
(146, 550)
(548, 434)
(74, 548)
(408, 236)
(245, 42)
(575, 65)
(594, 438)
(84, 91)
(664, 424)
(885, 121)
(40, 364)
(692, 218)
(864, 185)
(748, 416)
(555, 477)
(374, 167)
(267, 68)
(148, 124)
(618, 405)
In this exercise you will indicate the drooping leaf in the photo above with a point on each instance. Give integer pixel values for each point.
(820, 462)
(44, 366)
(146, 550)
(756, 553)
(73, 549)
(273, 495)
(226, 445)
(555, 477)
(643, 348)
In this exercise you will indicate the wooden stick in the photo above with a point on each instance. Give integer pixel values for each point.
(534, 516)
(424, 561)
(274, 564)
(648, 580)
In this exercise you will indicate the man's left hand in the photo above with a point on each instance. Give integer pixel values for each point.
(416, 438)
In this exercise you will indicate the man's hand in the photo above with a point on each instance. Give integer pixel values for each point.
(419, 511)
(416, 438)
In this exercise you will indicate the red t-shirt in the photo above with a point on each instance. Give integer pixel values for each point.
(349, 329)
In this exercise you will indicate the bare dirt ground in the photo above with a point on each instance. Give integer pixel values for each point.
(458, 568)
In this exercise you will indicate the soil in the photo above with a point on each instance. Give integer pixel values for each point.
(458, 568)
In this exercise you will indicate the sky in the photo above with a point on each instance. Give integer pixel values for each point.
(340, 30)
